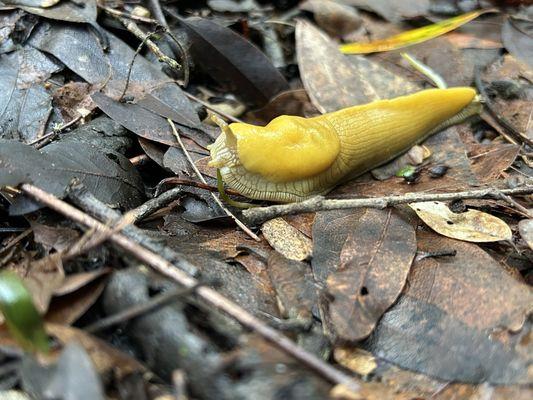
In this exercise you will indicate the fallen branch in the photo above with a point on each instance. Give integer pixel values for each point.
(319, 203)
(207, 294)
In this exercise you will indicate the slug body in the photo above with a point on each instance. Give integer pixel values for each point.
(294, 158)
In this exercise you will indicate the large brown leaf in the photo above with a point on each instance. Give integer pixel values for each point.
(375, 261)
(461, 318)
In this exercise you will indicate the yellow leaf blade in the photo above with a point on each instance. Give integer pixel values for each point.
(413, 36)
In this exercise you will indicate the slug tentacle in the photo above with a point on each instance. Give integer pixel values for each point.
(293, 158)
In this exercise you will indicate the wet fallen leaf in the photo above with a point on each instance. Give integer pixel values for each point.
(472, 225)
(61, 10)
(411, 37)
(233, 61)
(26, 104)
(286, 239)
(374, 264)
(108, 174)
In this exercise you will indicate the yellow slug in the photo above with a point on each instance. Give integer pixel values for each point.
(293, 158)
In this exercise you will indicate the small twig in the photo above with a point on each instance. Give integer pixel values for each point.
(319, 203)
(140, 159)
(138, 32)
(209, 295)
(140, 309)
(155, 204)
(187, 182)
(118, 13)
(86, 200)
(15, 240)
(130, 67)
(215, 197)
(39, 141)
(515, 204)
(211, 108)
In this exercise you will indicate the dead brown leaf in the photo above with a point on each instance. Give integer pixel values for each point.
(286, 239)
(375, 261)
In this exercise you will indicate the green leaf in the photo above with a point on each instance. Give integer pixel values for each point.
(22, 319)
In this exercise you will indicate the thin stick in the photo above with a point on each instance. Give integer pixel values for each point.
(209, 295)
(319, 203)
(211, 108)
(215, 197)
(134, 28)
(38, 141)
(118, 13)
(186, 182)
(130, 67)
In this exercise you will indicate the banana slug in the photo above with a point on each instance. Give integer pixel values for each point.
(293, 158)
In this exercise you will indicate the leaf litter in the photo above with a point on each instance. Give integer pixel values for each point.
(419, 306)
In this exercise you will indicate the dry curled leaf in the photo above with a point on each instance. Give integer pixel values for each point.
(286, 239)
(471, 226)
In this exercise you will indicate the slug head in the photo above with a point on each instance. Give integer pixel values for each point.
(287, 149)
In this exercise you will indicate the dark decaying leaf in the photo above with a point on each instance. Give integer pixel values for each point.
(338, 81)
(144, 122)
(517, 36)
(76, 47)
(81, 52)
(109, 175)
(294, 285)
(375, 261)
(461, 318)
(233, 61)
(25, 105)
